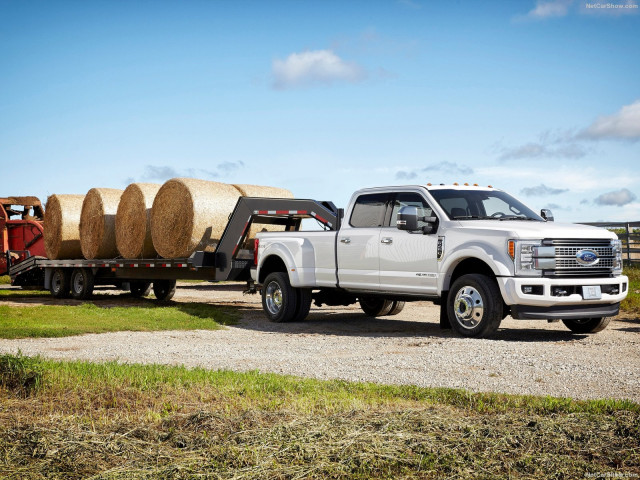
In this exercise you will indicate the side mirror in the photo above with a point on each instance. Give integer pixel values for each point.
(408, 220)
(546, 214)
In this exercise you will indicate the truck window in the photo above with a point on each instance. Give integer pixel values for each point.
(404, 199)
(369, 210)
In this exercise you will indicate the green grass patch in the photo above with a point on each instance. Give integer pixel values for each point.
(10, 293)
(62, 321)
(631, 304)
(113, 421)
(5, 280)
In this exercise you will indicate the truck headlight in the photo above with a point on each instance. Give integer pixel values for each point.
(524, 254)
(616, 247)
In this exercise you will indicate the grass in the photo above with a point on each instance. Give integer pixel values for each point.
(113, 421)
(5, 280)
(631, 304)
(62, 321)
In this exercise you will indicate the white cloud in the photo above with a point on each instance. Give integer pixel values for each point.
(617, 198)
(312, 68)
(625, 124)
(550, 9)
(542, 150)
(542, 190)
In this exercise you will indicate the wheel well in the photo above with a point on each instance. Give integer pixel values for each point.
(469, 265)
(273, 263)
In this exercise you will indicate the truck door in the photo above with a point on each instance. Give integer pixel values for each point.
(408, 261)
(359, 243)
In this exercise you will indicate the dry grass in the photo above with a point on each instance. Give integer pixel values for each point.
(122, 421)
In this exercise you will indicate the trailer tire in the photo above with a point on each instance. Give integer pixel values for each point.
(164, 290)
(81, 283)
(60, 283)
(279, 298)
(396, 308)
(474, 306)
(587, 325)
(139, 288)
(375, 306)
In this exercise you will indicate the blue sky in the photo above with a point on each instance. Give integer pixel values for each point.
(541, 99)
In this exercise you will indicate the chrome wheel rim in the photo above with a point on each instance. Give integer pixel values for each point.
(56, 282)
(273, 298)
(468, 307)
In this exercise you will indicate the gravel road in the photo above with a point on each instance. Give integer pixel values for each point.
(525, 357)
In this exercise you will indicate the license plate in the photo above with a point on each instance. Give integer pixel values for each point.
(592, 292)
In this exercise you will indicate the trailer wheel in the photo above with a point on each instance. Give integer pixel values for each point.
(376, 306)
(396, 308)
(164, 290)
(587, 325)
(139, 288)
(279, 298)
(60, 283)
(474, 306)
(81, 283)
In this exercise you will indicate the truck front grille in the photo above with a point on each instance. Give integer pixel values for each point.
(567, 262)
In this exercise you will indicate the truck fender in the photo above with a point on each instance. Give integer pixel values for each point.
(294, 253)
(499, 263)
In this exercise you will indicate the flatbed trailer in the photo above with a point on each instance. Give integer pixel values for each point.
(232, 259)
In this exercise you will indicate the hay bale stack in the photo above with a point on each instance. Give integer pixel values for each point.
(260, 191)
(62, 226)
(98, 223)
(133, 221)
(189, 215)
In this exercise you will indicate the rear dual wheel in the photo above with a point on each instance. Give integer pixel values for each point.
(81, 283)
(60, 286)
(587, 325)
(283, 303)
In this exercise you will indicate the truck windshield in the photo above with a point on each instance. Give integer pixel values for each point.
(482, 205)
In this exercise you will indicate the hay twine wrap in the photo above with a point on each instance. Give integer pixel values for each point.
(190, 214)
(98, 223)
(268, 192)
(133, 221)
(62, 226)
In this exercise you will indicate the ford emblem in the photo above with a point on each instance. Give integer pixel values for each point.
(587, 257)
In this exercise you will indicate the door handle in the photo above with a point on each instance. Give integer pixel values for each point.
(387, 240)
(345, 240)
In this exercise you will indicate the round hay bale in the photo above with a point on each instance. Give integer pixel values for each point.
(189, 215)
(262, 191)
(98, 223)
(133, 221)
(62, 226)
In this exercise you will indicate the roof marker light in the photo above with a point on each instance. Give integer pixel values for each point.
(466, 184)
(456, 184)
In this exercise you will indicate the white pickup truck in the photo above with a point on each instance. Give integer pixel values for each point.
(476, 251)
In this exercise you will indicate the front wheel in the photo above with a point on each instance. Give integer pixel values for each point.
(587, 325)
(474, 306)
(280, 299)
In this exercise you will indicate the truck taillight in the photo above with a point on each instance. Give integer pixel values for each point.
(256, 244)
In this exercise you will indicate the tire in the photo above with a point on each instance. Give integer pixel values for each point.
(396, 308)
(587, 325)
(474, 306)
(81, 283)
(280, 299)
(164, 290)
(139, 288)
(60, 283)
(375, 306)
(303, 304)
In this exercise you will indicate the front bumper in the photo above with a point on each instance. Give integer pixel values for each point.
(513, 294)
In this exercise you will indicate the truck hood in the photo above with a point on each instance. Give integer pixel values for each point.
(537, 230)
